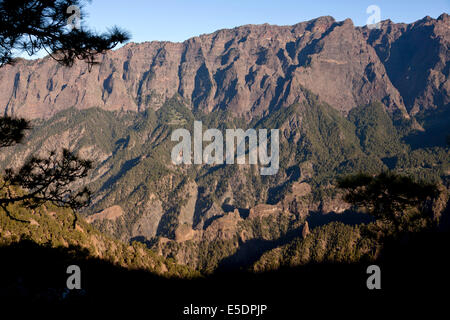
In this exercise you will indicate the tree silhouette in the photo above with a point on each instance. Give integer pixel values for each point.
(29, 26)
(388, 196)
(12, 131)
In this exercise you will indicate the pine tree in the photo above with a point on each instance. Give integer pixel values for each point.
(29, 26)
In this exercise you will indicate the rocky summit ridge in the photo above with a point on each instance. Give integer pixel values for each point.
(249, 70)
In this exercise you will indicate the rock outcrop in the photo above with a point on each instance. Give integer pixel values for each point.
(111, 213)
(305, 230)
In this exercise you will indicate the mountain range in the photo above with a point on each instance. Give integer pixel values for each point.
(249, 70)
(345, 98)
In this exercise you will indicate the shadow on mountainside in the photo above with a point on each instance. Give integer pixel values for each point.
(349, 217)
(436, 129)
(415, 269)
(251, 250)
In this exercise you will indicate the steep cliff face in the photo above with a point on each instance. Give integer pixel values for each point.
(416, 58)
(248, 70)
(316, 81)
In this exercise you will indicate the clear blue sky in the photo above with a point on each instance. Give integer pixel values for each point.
(178, 20)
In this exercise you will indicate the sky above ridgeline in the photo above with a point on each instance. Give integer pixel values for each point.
(178, 20)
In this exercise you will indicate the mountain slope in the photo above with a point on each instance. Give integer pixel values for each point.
(324, 84)
(187, 211)
(52, 227)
